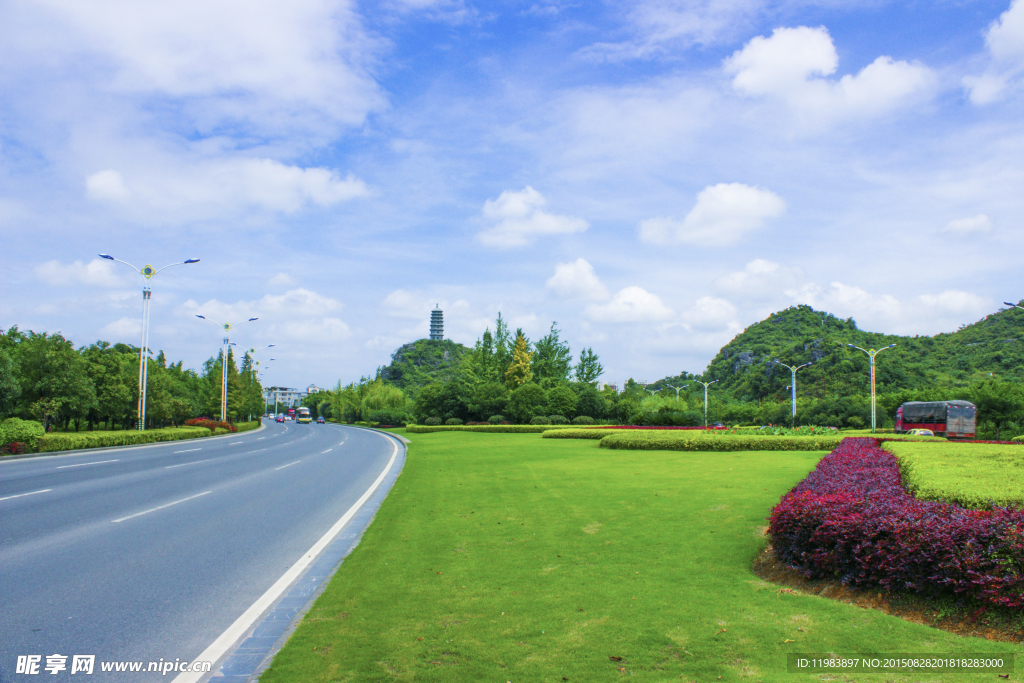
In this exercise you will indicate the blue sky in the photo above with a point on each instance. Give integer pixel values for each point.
(654, 176)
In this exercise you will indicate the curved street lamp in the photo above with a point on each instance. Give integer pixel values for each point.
(147, 272)
(793, 385)
(706, 385)
(677, 389)
(871, 354)
(224, 364)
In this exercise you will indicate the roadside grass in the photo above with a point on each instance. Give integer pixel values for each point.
(527, 559)
(971, 475)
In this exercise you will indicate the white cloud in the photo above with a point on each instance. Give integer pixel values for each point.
(793, 65)
(956, 302)
(660, 25)
(106, 186)
(282, 280)
(96, 273)
(577, 280)
(967, 226)
(848, 301)
(516, 219)
(722, 215)
(632, 304)
(413, 305)
(277, 66)
(1005, 42)
(760, 280)
(122, 329)
(711, 314)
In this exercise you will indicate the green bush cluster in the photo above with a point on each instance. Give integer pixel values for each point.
(489, 429)
(495, 419)
(699, 441)
(15, 430)
(68, 441)
(583, 420)
(558, 419)
(540, 420)
(246, 426)
(576, 433)
(453, 421)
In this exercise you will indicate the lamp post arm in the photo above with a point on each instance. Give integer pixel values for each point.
(179, 263)
(111, 258)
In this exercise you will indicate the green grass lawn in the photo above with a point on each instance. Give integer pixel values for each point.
(972, 475)
(517, 558)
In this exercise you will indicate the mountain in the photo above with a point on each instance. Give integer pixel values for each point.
(749, 367)
(423, 361)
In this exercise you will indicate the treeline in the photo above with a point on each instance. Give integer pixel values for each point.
(504, 375)
(44, 378)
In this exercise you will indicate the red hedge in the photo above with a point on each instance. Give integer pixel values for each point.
(852, 519)
(210, 424)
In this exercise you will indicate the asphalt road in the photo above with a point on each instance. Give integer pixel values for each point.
(149, 553)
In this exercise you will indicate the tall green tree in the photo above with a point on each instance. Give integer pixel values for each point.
(588, 369)
(518, 372)
(552, 359)
(998, 402)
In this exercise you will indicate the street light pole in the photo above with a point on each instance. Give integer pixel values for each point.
(706, 385)
(793, 387)
(225, 352)
(652, 393)
(871, 354)
(147, 272)
(677, 389)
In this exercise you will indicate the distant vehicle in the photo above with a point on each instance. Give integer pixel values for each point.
(291, 413)
(279, 418)
(718, 425)
(951, 419)
(303, 416)
(320, 421)
(921, 432)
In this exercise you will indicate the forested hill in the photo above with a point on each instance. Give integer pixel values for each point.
(747, 368)
(423, 361)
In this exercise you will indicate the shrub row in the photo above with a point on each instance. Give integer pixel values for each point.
(246, 426)
(210, 424)
(490, 429)
(668, 441)
(17, 431)
(68, 441)
(852, 519)
(575, 433)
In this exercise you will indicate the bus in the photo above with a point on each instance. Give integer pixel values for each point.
(951, 419)
(291, 413)
(303, 417)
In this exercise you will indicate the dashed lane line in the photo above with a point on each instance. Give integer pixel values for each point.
(194, 462)
(30, 493)
(288, 465)
(327, 451)
(159, 507)
(83, 464)
(188, 451)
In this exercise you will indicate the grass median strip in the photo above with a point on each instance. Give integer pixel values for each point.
(529, 559)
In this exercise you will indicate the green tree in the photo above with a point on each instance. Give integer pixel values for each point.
(10, 387)
(588, 369)
(489, 398)
(998, 402)
(562, 401)
(551, 359)
(527, 402)
(518, 372)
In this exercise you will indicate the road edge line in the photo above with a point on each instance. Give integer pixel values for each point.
(224, 642)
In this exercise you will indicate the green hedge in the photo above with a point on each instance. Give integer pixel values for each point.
(646, 441)
(68, 441)
(577, 433)
(491, 429)
(246, 426)
(15, 430)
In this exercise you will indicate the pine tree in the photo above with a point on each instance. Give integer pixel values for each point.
(588, 369)
(518, 372)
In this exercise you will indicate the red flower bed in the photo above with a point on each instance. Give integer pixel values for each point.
(210, 424)
(852, 519)
(14, 448)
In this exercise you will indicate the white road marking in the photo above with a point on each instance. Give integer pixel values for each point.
(288, 465)
(188, 451)
(194, 462)
(235, 443)
(83, 464)
(234, 632)
(260, 438)
(30, 493)
(255, 451)
(161, 507)
(327, 451)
